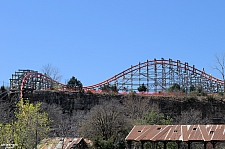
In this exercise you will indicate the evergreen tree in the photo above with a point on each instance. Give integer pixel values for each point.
(142, 88)
(75, 83)
(3, 88)
(106, 88)
(114, 88)
(109, 88)
(174, 88)
(192, 88)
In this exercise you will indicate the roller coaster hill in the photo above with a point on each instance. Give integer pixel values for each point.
(156, 75)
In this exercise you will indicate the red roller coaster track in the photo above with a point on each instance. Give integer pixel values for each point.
(169, 62)
(156, 75)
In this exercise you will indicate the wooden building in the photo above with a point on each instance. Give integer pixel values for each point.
(64, 143)
(208, 135)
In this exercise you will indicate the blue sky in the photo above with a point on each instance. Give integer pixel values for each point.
(95, 40)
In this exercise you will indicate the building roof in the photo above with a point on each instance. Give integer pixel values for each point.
(177, 133)
(59, 143)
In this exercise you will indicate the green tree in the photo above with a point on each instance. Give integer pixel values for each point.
(114, 88)
(174, 88)
(3, 88)
(154, 118)
(6, 133)
(192, 88)
(105, 88)
(100, 143)
(142, 88)
(75, 83)
(109, 88)
(3, 93)
(31, 126)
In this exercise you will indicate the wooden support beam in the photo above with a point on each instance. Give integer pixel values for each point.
(164, 144)
(205, 144)
(142, 144)
(189, 144)
(178, 145)
(153, 145)
(129, 144)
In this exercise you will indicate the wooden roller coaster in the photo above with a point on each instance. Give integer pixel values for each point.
(156, 75)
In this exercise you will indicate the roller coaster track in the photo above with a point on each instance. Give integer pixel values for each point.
(161, 74)
(156, 75)
(33, 80)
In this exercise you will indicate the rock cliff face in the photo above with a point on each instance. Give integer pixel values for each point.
(210, 107)
(67, 109)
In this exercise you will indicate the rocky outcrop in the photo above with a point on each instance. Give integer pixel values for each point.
(211, 107)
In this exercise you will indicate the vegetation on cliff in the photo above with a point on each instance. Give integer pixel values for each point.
(29, 126)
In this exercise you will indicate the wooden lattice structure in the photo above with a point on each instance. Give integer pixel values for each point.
(156, 75)
(159, 75)
(29, 80)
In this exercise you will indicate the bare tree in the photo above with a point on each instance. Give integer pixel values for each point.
(106, 120)
(191, 117)
(63, 124)
(51, 72)
(136, 107)
(220, 65)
